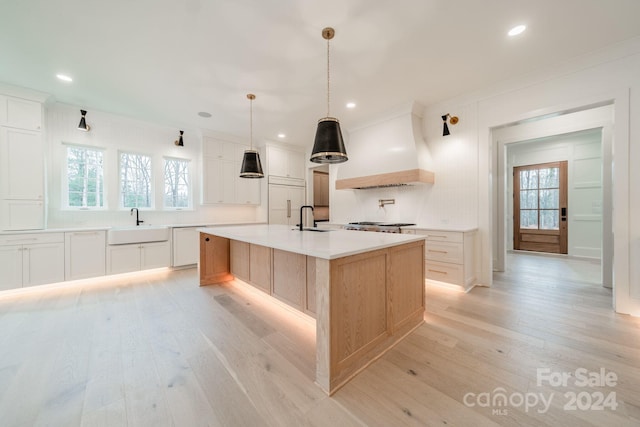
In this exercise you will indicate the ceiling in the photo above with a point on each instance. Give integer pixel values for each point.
(165, 60)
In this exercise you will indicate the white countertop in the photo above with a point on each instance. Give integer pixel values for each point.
(327, 245)
(106, 227)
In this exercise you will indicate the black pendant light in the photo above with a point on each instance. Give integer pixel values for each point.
(328, 146)
(83, 126)
(251, 166)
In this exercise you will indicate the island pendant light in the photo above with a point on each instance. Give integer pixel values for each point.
(328, 146)
(251, 166)
(83, 126)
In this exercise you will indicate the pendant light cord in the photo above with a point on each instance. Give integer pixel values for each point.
(328, 81)
(251, 122)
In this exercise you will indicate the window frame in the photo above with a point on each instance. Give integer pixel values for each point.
(65, 178)
(189, 183)
(151, 195)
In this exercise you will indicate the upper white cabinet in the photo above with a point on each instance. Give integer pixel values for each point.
(85, 254)
(285, 163)
(22, 160)
(20, 113)
(221, 162)
(21, 165)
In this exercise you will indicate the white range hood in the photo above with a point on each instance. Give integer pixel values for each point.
(388, 152)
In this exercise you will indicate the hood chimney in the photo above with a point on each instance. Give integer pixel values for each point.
(387, 152)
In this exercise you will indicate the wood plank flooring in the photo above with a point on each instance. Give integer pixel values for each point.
(157, 350)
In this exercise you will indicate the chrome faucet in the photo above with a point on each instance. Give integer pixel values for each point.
(301, 222)
(138, 220)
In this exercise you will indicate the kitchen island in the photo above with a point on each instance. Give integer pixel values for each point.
(365, 290)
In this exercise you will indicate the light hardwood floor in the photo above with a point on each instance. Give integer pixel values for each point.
(157, 350)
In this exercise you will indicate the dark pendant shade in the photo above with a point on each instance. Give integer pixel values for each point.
(329, 145)
(251, 166)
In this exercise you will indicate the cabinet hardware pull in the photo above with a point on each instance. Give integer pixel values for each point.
(288, 208)
(440, 252)
(433, 235)
(206, 239)
(85, 233)
(22, 239)
(438, 271)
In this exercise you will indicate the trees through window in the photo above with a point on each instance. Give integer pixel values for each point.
(85, 177)
(135, 180)
(176, 183)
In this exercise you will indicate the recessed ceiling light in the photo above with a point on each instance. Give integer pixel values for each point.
(518, 29)
(281, 135)
(351, 105)
(204, 114)
(64, 77)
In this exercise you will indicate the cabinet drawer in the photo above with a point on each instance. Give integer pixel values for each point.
(443, 272)
(31, 238)
(442, 236)
(444, 251)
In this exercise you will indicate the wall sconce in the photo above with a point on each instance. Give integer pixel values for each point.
(83, 126)
(179, 142)
(452, 120)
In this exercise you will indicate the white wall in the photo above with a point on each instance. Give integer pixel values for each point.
(114, 133)
(608, 76)
(582, 151)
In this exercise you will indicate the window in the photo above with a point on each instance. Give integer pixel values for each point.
(135, 180)
(176, 183)
(539, 198)
(84, 177)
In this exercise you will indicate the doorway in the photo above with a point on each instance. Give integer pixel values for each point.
(540, 207)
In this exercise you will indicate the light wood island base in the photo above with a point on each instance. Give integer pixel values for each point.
(363, 304)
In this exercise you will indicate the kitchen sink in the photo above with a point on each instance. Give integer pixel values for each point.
(137, 234)
(321, 230)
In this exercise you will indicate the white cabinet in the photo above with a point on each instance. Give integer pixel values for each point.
(186, 246)
(285, 163)
(21, 165)
(85, 254)
(450, 257)
(284, 203)
(222, 184)
(31, 259)
(20, 113)
(137, 256)
(219, 181)
(10, 267)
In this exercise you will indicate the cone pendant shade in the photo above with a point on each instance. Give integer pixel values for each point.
(329, 145)
(251, 167)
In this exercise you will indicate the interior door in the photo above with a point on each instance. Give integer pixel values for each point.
(540, 207)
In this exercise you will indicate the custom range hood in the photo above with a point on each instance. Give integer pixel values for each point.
(388, 152)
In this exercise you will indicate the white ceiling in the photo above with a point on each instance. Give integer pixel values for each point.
(166, 60)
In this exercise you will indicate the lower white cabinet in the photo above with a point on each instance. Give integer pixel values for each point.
(450, 257)
(137, 256)
(85, 254)
(186, 246)
(31, 259)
